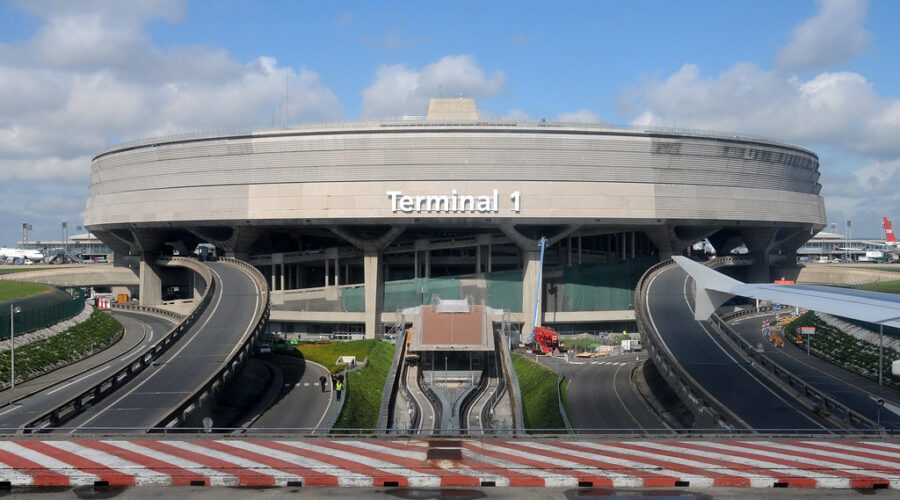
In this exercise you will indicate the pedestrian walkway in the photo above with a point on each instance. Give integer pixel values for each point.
(447, 462)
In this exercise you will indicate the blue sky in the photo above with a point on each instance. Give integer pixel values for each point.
(77, 77)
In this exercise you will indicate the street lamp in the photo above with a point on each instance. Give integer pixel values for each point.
(13, 310)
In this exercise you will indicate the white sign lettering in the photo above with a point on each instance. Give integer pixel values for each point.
(452, 203)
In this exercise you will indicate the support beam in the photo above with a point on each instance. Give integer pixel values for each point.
(374, 286)
(151, 284)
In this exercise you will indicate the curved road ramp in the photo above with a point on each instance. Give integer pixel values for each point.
(447, 463)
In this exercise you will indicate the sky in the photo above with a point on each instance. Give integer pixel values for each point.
(78, 77)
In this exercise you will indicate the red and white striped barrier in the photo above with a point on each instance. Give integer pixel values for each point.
(442, 463)
(102, 303)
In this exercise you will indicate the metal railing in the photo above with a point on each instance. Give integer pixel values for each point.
(830, 407)
(89, 397)
(708, 410)
(230, 366)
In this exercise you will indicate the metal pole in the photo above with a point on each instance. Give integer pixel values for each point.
(880, 349)
(543, 244)
(12, 348)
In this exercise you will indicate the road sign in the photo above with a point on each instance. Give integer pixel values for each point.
(777, 308)
(760, 347)
(767, 330)
(808, 330)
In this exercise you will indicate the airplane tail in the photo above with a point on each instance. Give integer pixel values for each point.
(889, 232)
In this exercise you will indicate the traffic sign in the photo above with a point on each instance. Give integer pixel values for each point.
(767, 329)
(777, 308)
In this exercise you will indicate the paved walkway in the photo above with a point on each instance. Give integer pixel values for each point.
(446, 462)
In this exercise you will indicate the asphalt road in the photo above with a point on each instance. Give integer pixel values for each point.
(147, 398)
(601, 396)
(39, 395)
(855, 391)
(300, 404)
(716, 366)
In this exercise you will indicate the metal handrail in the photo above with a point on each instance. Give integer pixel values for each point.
(695, 397)
(380, 124)
(229, 366)
(90, 396)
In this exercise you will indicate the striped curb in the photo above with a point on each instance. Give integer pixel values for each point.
(448, 462)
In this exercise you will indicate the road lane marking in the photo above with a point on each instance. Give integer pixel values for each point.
(89, 375)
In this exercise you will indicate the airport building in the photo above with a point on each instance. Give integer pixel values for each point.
(353, 223)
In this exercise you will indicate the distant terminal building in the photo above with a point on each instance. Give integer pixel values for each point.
(354, 222)
(833, 247)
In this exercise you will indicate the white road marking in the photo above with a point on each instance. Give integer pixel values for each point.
(89, 375)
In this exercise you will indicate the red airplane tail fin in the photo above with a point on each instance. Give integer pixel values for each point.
(889, 232)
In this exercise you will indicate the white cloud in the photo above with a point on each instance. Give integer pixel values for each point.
(90, 77)
(834, 108)
(834, 35)
(580, 116)
(93, 78)
(399, 90)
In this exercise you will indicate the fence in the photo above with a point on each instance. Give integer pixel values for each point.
(37, 314)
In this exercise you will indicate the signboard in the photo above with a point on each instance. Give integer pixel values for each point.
(807, 330)
(767, 330)
(777, 308)
(760, 348)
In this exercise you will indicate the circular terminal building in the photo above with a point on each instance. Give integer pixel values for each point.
(353, 223)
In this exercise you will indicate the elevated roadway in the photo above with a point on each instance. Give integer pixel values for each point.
(184, 367)
(715, 365)
(857, 392)
(300, 404)
(39, 395)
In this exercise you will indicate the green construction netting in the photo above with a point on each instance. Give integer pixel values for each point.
(353, 299)
(400, 294)
(504, 290)
(607, 286)
(42, 310)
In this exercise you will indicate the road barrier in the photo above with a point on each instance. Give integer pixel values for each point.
(229, 367)
(90, 397)
(708, 411)
(829, 407)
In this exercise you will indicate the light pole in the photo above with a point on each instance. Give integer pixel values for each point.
(880, 349)
(13, 310)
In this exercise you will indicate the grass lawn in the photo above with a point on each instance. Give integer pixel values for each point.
(539, 395)
(365, 386)
(884, 286)
(14, 290)
(12, 270)
(98, 332)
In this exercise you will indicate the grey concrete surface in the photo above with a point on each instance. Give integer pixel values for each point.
(716, 366)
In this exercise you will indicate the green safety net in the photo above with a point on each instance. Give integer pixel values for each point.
(41, 311)
(400, 294)
(606, 286)
(504, 290)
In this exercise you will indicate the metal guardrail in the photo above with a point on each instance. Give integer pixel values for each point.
(391, 383)
(89, 397)
(147, 309)
(831, 407)
(707, 409)
(512, 385)
(229, 367)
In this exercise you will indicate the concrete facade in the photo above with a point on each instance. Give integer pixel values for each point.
(338, 204)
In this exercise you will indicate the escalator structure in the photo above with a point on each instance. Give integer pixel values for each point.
(451, 379)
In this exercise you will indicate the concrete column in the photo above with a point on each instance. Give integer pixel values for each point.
(760, 242)
(490, 266)
(579, 249)
(374, 285)
(624, 245)
(198, 286)
(327, 273)
(531, 261)
(151, 284)
(281, 276)
(337, 272)
(632, 244)
(666, 241)
(273, 277)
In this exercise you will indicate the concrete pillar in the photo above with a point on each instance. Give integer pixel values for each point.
(151, 284)
(374, 285)
(633, 244)
(531, 261)
(579, 249)
(327, 273)
(198, 286)
(337, 272)
(666, 242)
(272, 274)
(760, 242)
